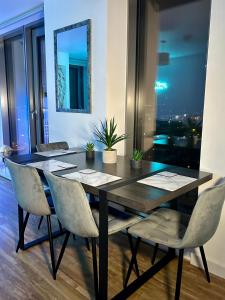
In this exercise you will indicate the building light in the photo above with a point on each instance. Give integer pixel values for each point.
(161, 86)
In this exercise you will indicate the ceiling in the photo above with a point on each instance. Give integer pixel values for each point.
(184, 29)
(76, 49)
(12, 8)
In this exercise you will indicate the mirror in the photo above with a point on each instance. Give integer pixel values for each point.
(72, 68)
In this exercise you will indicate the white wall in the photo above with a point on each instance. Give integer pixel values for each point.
(117, 64)
(213, 140)
(77, 128)
(108, 65)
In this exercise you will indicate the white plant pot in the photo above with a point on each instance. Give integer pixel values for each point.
(109, 157)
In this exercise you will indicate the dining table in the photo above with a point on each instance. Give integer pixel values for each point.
(128, 193)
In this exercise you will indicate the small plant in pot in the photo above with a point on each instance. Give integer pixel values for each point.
(107, 136)
(136, 159)
(90, 150)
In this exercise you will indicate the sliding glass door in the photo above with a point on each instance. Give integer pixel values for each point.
(40, 100)
(43, 92)
(18, 103)
(24, 103)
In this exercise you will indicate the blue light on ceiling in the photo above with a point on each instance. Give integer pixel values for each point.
(161, 86)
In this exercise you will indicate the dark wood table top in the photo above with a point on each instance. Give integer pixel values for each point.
(121, 168)
(127, 191)
(144, 198)
(33, 157)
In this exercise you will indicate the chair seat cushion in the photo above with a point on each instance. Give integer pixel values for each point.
(164, 226)
(117, 220)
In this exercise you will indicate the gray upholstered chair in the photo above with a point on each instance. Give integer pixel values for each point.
(74, 212)
(217, 182)
(179, 231)
(31, 198)
(57, 146)
(48, 147)
(52, 146)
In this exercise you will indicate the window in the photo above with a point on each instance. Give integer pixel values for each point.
(172, 42)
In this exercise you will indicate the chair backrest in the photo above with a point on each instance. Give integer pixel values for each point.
(219, 181)
(72, 206)
(52, 146)
(28, 189)
(205, 217)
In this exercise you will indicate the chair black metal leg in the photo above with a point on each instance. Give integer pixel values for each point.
(136, 269)
(20, 226)
(51, 246)
(60, 226)
(95, 265)
(91, 198)
(87, 244)
(40, 222)
(21, 238)
(205, 263)
(133, 258)
(62, 251)
(179, 273)
(154, 253)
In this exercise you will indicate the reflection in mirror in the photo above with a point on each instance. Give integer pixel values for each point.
(72, 68)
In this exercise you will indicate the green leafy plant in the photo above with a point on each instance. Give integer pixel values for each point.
(107, 135)
(90, 147)
(137, 155)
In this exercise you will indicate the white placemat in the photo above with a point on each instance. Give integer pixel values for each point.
(167, 181)
(51, 165)
(53, 153)
(87, 171)
(92, 177)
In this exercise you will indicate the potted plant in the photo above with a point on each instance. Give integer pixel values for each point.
(107, 136)
(136, 159)
(90, 147)
(5, 151)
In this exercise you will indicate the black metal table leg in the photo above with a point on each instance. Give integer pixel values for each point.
(103, 245)
(20, 223)
(137, 283)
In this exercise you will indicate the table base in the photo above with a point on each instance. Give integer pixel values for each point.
(142, 279)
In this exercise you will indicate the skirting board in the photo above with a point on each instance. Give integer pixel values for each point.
(194, 258)
(214, 268)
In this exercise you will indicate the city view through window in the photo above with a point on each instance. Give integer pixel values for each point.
(180, 83)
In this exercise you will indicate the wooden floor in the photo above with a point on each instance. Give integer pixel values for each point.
(26, 275)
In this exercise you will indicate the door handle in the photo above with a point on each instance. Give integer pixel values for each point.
(33, 114)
